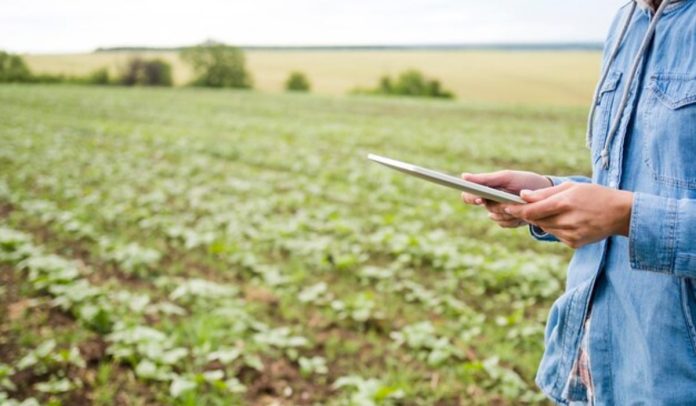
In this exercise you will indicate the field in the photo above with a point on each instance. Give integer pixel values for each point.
(188, 246)
(521, 77)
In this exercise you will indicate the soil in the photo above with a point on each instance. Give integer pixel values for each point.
(39, 316)
(281, 383)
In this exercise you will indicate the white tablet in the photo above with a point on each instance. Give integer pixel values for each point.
(448, 180)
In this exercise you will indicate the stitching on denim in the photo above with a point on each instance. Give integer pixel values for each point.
(666, 237)
(689, 270)
(668, 180)
(549, 392)
(575, 307)
(612, 83)
(603, 116)
(688, 183)
(633, 233)
(664, 97)
(561, 365)
(610, 365)
(688, 315)
(593, 391)
(673, 225)
(638, 261)
(672, 75)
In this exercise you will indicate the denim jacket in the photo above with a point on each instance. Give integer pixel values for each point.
(641, 289)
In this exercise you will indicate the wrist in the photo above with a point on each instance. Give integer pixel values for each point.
(538, 181)
(549, 180)
(625, 207)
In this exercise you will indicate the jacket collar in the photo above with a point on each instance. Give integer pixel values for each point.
(646, 5)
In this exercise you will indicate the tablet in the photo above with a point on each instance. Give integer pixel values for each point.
(448, 180)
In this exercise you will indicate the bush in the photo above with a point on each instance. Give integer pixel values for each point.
(144, 72)
(297, 82)
(51, 78)
(99, 77)
(217, 65)
(410, 83)
(13, 69)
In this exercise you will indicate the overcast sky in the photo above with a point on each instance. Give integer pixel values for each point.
(82, 25)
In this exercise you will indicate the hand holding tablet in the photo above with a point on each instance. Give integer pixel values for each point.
(484, 192)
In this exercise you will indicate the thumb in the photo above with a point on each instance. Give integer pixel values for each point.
(531, 196)
(492, 179)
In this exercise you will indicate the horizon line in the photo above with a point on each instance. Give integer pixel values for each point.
(502, 46)
(404, 46)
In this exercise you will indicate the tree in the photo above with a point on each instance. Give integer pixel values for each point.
(297, 82)
(153, 72)
(13, 68)
(217, 65)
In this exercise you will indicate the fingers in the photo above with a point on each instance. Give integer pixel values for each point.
(495, 211)
(556, 224)
(533, 212)
(472, 199)
(492, 179)
(505, 220)
(495, 207)
(531, 196)
(542, 203)
(511, 224)
(501, 217)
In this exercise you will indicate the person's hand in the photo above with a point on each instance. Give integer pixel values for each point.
(509, 181)
(576, 213)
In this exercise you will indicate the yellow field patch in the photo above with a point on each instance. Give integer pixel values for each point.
(518, 77)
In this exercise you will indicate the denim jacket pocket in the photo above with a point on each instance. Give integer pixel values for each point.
(602, 118)
(674, 90)
(670, 142)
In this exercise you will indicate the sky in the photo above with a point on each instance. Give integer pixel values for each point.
(49, 26)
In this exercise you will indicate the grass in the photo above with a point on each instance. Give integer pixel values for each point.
(532, 78)
(247, 232)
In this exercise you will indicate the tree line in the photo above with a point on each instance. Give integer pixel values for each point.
(214, 65)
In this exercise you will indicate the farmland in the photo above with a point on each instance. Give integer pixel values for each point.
(190, 246)
(520, 77)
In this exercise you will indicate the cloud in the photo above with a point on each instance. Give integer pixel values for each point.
(81, 25)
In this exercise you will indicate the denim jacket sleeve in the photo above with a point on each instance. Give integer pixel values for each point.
(537, 232)
(662, 235)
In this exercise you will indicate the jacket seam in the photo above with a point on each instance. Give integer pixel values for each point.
(549, 392)
(668, 101)
(564, 346)
(606, 99)
(664, 264)
(562, 363)
(688, 316)
(672, 239)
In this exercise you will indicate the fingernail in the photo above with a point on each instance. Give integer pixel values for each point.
(479, 201)
(525, 192)
(507, 210)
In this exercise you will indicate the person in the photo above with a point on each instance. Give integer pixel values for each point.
(624, 331)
